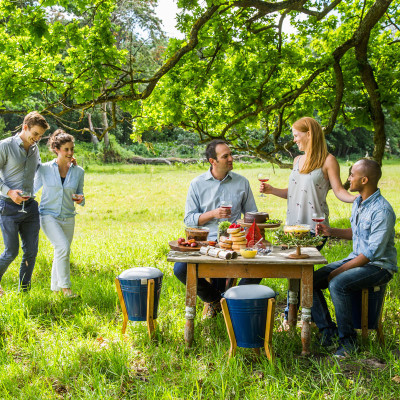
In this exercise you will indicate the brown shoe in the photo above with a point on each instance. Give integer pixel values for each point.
(213, 309)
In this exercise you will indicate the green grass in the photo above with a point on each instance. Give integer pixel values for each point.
(51, 347)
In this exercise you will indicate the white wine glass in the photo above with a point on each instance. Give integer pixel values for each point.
(263, 178)
(25, 196)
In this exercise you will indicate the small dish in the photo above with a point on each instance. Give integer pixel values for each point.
(248, 252)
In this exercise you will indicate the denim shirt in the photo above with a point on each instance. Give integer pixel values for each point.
(17, 166)
(372, 222)
(205, 194)
(56, 197)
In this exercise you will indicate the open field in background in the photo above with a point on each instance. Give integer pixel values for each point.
(51, 347)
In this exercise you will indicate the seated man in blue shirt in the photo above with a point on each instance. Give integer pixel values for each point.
(19, 160)
(203, 207)
(372, 262)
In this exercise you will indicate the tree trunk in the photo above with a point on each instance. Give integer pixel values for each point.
(94, 138)
(367, 75)
(377, 116)
(105, 124)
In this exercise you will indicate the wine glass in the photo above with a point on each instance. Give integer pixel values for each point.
(263, 177)
(76, 197)
(25, 196)
(317, 218)
(226, 202)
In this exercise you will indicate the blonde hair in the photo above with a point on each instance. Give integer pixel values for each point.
(316, 151)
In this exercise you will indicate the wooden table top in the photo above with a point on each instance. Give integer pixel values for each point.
(278, 256)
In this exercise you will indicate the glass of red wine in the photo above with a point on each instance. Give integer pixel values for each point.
(76, 197)
(317, 218)
(226, 203)
(263, 178)
(25, 196)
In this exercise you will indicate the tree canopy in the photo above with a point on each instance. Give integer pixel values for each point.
(239, 74)
(249, 78)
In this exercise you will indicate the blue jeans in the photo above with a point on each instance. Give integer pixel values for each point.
(208, 292)
(340, 288)
(27, 226)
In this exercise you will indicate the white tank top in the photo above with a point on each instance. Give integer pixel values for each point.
(306, 195)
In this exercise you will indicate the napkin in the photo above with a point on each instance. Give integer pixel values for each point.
(253, 234)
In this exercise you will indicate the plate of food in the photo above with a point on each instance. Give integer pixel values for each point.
(183, 244)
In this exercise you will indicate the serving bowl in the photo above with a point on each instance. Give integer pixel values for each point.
(248, 252)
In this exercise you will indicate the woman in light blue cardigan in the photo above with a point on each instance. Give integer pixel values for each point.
(62, 183)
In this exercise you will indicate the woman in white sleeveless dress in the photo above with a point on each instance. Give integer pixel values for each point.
(313, 174)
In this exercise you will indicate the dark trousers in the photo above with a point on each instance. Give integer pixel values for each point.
(26, 225)
(341, 288)
(208, 292)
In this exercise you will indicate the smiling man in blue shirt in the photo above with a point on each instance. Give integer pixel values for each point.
(203, 207)
(19, 160)
(372, 262)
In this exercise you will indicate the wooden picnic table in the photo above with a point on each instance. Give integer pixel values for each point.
(274, 265)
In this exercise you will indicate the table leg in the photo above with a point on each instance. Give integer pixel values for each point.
(306, 304)
(294, 287)
(191, 294)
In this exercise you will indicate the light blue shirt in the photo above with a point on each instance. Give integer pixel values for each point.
(205, 194)
(56, 197)
(17, 166)
(372, 222)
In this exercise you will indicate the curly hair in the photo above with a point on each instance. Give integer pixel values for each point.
(58, 138)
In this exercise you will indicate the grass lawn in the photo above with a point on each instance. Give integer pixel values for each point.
(51, 347)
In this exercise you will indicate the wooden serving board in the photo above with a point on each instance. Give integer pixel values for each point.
(177, 247)
(263, 226)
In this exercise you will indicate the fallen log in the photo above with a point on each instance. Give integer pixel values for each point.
(175, 160)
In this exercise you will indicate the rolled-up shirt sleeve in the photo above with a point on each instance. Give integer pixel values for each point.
(192, 207)
(382, 224)
(38, 183)
(79, 190)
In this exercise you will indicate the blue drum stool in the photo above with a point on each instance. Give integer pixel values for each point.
(139, 293)
(249, 317)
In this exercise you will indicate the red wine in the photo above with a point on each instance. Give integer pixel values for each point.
(264, 180)
(318, 219)
(227, 207)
